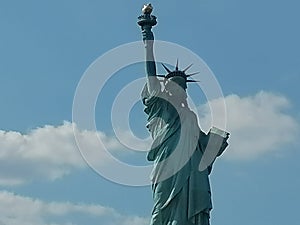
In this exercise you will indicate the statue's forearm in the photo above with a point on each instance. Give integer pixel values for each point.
(152, 81)
(148, 39)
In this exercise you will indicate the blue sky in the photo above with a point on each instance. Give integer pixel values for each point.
(46, 46)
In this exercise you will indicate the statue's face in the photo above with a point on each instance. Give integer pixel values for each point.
(176, 87)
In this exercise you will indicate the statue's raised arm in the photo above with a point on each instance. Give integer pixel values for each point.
(147, 21)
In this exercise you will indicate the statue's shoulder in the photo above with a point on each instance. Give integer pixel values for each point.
(189, 113)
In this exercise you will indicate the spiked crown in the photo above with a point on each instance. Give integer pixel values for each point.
(173, 75)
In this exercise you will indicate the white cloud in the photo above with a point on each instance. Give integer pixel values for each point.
(258, 124)
(19, 210)
(45, 153)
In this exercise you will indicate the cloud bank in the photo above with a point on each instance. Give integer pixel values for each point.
(45, 153)
(19, 210)
(258, 124)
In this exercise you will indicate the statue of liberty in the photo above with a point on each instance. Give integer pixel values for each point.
(181, 191)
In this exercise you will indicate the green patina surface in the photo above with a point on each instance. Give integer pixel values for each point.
(181, 191)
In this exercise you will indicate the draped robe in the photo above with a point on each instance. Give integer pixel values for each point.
(181, 192)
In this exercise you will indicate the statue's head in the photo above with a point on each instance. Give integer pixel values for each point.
(175, 87)
(175, 82)
(178, 77)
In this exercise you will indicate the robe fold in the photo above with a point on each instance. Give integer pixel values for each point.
(181, 192)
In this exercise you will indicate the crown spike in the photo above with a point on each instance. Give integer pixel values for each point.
(166, 68)
(192, 81)
(192, 74)
(187, 67)
(176, 68)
